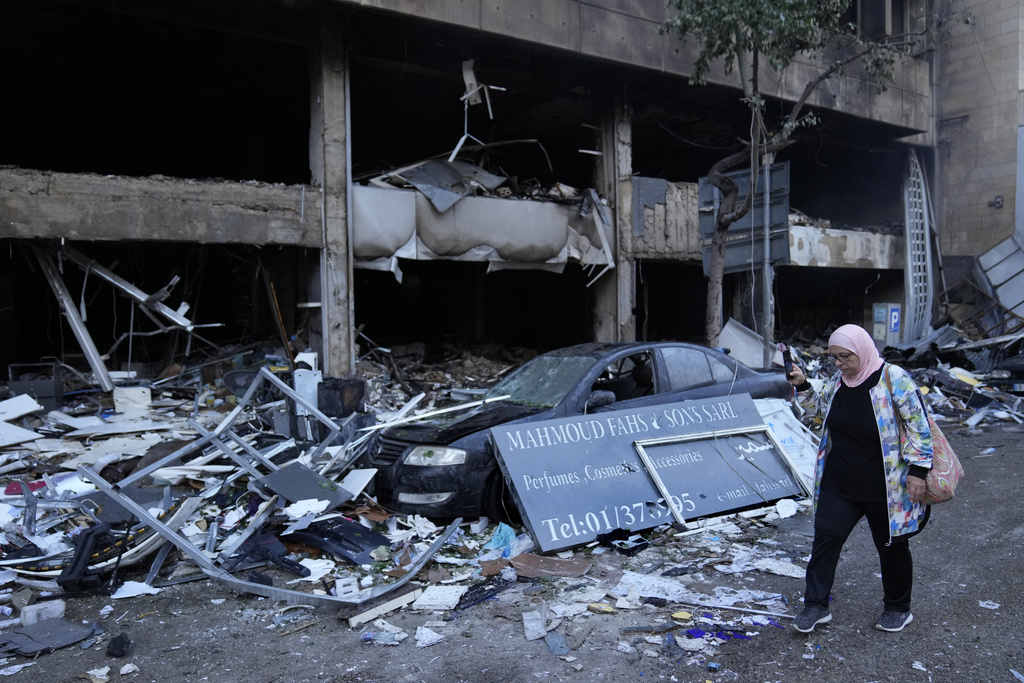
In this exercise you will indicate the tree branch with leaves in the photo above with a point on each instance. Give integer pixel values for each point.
(741, 35)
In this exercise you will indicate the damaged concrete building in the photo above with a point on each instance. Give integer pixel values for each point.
(186, 174)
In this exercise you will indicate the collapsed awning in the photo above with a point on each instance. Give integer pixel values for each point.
(393, 223)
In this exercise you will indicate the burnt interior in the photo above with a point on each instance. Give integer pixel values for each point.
(222, 90)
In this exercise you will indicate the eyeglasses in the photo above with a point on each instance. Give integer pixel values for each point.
(843, 358)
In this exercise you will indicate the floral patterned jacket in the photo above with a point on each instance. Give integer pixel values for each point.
(904, 517)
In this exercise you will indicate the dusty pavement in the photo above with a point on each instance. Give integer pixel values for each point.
(968, 622)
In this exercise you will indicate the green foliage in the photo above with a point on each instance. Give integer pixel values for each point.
(775, 30)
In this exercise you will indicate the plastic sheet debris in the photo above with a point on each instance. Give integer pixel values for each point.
(556, 643)
(988, 604)
(386, 633)
(44, 636)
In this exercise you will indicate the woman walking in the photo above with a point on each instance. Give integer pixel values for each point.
(862, 471)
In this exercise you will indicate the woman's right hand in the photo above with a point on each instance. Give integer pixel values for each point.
(796, 376)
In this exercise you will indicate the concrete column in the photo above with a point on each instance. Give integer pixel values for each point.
(614, 293)
(329, 154)
(626, 299)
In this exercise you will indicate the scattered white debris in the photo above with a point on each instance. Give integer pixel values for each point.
(317, 569)
(988, 604)
(98, 675)
(426, 637)
(301, 508)
(786, 507)
(533, 625)
(130, 589)
(440, 597)
(11, 670)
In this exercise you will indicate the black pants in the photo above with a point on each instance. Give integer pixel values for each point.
(834, 521)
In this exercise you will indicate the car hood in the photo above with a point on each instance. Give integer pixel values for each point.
(446, 429)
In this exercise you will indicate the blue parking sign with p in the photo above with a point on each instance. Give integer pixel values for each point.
(894, 319)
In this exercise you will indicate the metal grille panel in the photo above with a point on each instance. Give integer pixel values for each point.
(917, 273)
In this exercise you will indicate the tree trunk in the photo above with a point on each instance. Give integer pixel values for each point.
(727, 215)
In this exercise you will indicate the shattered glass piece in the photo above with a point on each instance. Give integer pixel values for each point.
(484, 590)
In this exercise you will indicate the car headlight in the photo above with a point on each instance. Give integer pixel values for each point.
(435, 456)
(999, 374)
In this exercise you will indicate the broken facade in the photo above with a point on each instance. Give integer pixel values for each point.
(242, 148)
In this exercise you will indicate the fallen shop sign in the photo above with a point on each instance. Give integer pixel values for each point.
(576, 478)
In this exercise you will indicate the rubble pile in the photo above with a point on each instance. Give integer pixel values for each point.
(961, 380)
(240, 477)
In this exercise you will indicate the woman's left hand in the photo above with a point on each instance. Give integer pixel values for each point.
(915, 487)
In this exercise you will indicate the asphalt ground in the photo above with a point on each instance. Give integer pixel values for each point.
(968, 618)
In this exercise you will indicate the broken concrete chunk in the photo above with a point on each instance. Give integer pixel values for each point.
(533, 625)
(119, 645)
(425, 637)
(41, 611)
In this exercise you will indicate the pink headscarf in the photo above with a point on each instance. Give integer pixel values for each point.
(856, 339)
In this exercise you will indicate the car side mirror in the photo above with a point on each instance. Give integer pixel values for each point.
(601, 398)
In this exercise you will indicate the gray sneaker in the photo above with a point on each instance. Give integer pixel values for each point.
(893, 621)
(811, 617)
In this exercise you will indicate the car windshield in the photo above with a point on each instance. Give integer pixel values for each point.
(543, 381)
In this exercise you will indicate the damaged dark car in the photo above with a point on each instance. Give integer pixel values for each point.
(445, 467)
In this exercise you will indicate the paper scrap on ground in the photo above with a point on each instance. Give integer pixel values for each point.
(988, 604)
(129, 589)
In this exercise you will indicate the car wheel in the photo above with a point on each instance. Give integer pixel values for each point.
(498, 503)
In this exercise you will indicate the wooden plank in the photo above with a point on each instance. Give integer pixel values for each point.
(360, 614)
